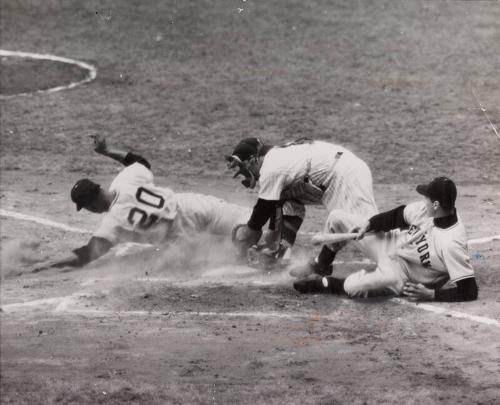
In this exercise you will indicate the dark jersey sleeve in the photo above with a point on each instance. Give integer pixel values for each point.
(466, 290)
(386, 221)
(132, 158)
(262, 211)
(96, 247)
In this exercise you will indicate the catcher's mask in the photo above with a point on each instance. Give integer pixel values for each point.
(243, 168)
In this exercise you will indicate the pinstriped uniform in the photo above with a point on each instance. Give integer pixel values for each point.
(345, 179)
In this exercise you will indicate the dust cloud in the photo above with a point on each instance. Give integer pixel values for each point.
(18, 256)
(194, 261)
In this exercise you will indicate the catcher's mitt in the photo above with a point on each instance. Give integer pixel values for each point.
(265, 258)
(244, 237)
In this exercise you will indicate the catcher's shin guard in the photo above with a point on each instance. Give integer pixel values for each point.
(290, 228)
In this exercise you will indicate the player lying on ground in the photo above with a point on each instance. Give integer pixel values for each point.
(297, 174)
(136, 210)
(418, 249)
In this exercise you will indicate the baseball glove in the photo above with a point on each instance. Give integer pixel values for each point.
(244, 237)
(265, 258)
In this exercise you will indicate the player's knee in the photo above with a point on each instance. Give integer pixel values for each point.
(335, 221)
(353, 285)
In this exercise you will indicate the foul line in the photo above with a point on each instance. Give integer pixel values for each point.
(62, 305)
(448, 312)
(486, 239)
(42, 221)
(483, 110)
(92, 71)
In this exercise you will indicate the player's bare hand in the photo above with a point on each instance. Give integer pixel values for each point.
(42, 266)
(100, 145)
(418, 292)
(363, 230)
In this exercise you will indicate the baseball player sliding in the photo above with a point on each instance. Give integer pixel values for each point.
(418, 249)
(294, 175)
(136, 210)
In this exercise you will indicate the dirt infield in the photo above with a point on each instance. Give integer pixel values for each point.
(177, 328)
(411, 87)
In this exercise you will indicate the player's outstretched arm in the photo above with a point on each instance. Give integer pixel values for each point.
(384, 222)
(125, 158)
(101, 147)
(95, 248)
(465, 290)
(68, 261)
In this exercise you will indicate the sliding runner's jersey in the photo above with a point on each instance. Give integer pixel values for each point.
(141, 211)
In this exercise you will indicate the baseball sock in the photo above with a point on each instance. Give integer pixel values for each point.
(323, 285)
(326, 256)
(334, 285)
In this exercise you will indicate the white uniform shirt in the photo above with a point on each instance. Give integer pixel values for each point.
(288, 165)
(431, 254)
(141, 211)
(204, 213)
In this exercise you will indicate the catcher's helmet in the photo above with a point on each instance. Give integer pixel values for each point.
(247, 148)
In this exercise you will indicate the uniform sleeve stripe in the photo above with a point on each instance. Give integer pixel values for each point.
(462, 278)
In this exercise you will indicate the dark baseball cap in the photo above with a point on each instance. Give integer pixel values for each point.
(440, 189)
(247, 148)
(83, 192)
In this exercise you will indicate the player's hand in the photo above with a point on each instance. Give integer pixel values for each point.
(362, 230)
(70, 261)
(42, 266)
(418, 292)
(100, 145)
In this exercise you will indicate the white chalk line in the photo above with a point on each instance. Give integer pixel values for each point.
(92, 71)
(448, 312)
(34, 304)
(42, 221)
(426, 307)
(486, 239)
(68, 228)
(62, 305)
(483, 110)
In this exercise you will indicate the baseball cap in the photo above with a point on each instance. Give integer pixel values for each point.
(83, 192)
(440, 189)
(247, 148)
